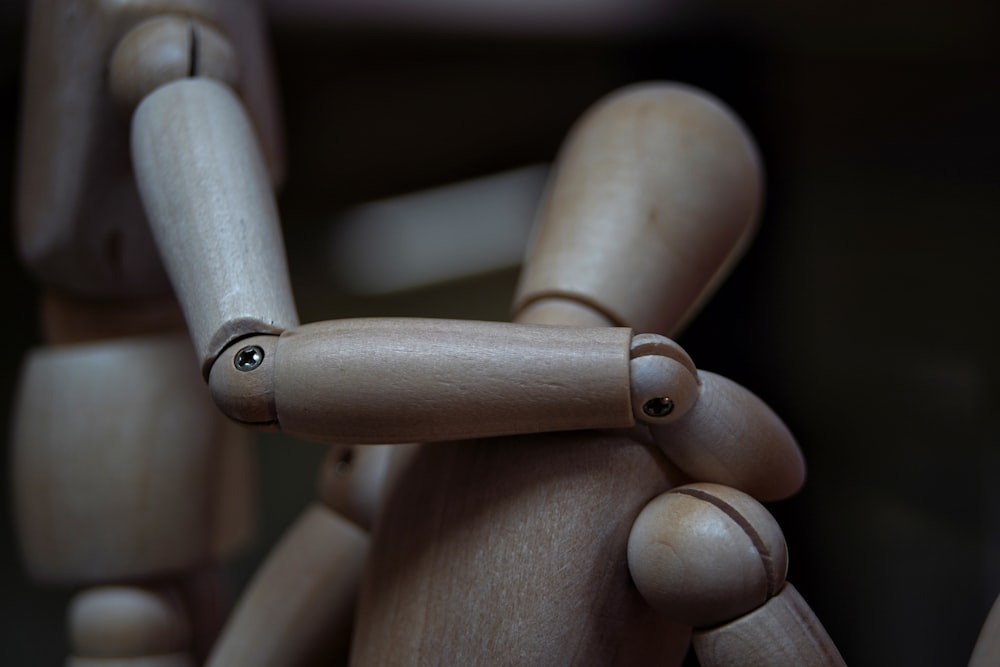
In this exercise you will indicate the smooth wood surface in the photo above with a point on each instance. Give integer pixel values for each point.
(512, 552)
(405, 380)
(299, 606)
(207, 194)
(127, 622)
(702, 554)
(782, 632)
(732, 437)
(80, 224)
(987, 650)
(655, 194)
(164, 49)
(116, 448)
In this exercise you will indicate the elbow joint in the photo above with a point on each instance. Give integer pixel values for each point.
(242, 381)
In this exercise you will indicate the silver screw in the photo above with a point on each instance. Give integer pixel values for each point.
(658, 407)
(249, 358)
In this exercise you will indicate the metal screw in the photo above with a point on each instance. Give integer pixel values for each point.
(249, 358)
(658, 407)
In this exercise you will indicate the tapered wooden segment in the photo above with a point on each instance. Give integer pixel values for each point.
(987, 650)
(209, 201)
(116, 448)
(404, 380)
(731, 437)
(782, 632)
(512, 551)
(300, 605)
(654, 195)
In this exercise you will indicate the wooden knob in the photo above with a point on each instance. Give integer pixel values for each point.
(124, 622)
(654, 194)
(167, 48)
(703, 554)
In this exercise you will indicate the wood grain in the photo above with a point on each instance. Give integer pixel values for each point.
(655, 194)
(405, 380)
(512, 552)
(782, 632)
(207, 194)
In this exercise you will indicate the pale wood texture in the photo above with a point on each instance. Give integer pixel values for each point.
(731, 437)
(987, 650)
(299, 606)
(400, 380)
(782, 632)
(512, 552)
(79, 220)
(655, 194)
(127, 622)
(703, 554)
(116, 454)
(209, 202)
(165, 49)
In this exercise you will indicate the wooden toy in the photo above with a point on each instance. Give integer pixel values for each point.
(586, 494)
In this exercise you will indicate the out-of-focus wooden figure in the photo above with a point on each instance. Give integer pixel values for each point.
(551, 520)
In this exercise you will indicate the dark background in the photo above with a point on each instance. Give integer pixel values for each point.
(865, 312)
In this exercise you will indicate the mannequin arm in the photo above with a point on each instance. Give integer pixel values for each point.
(208, 198)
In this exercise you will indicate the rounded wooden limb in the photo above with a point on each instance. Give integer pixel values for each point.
(208, 198)
(300, 604)
(654, 195)
(385, 380)
(782, 632)
(987, 650)
(731, 437)
(702, 554)
(127, 622)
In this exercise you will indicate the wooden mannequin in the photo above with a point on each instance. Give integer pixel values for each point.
(503, 549)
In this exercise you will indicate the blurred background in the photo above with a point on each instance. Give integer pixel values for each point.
(865, 312)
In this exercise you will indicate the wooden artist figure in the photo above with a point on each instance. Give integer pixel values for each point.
(586, 496)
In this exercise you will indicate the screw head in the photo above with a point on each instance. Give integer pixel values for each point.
(658, 407)
(249, 358)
